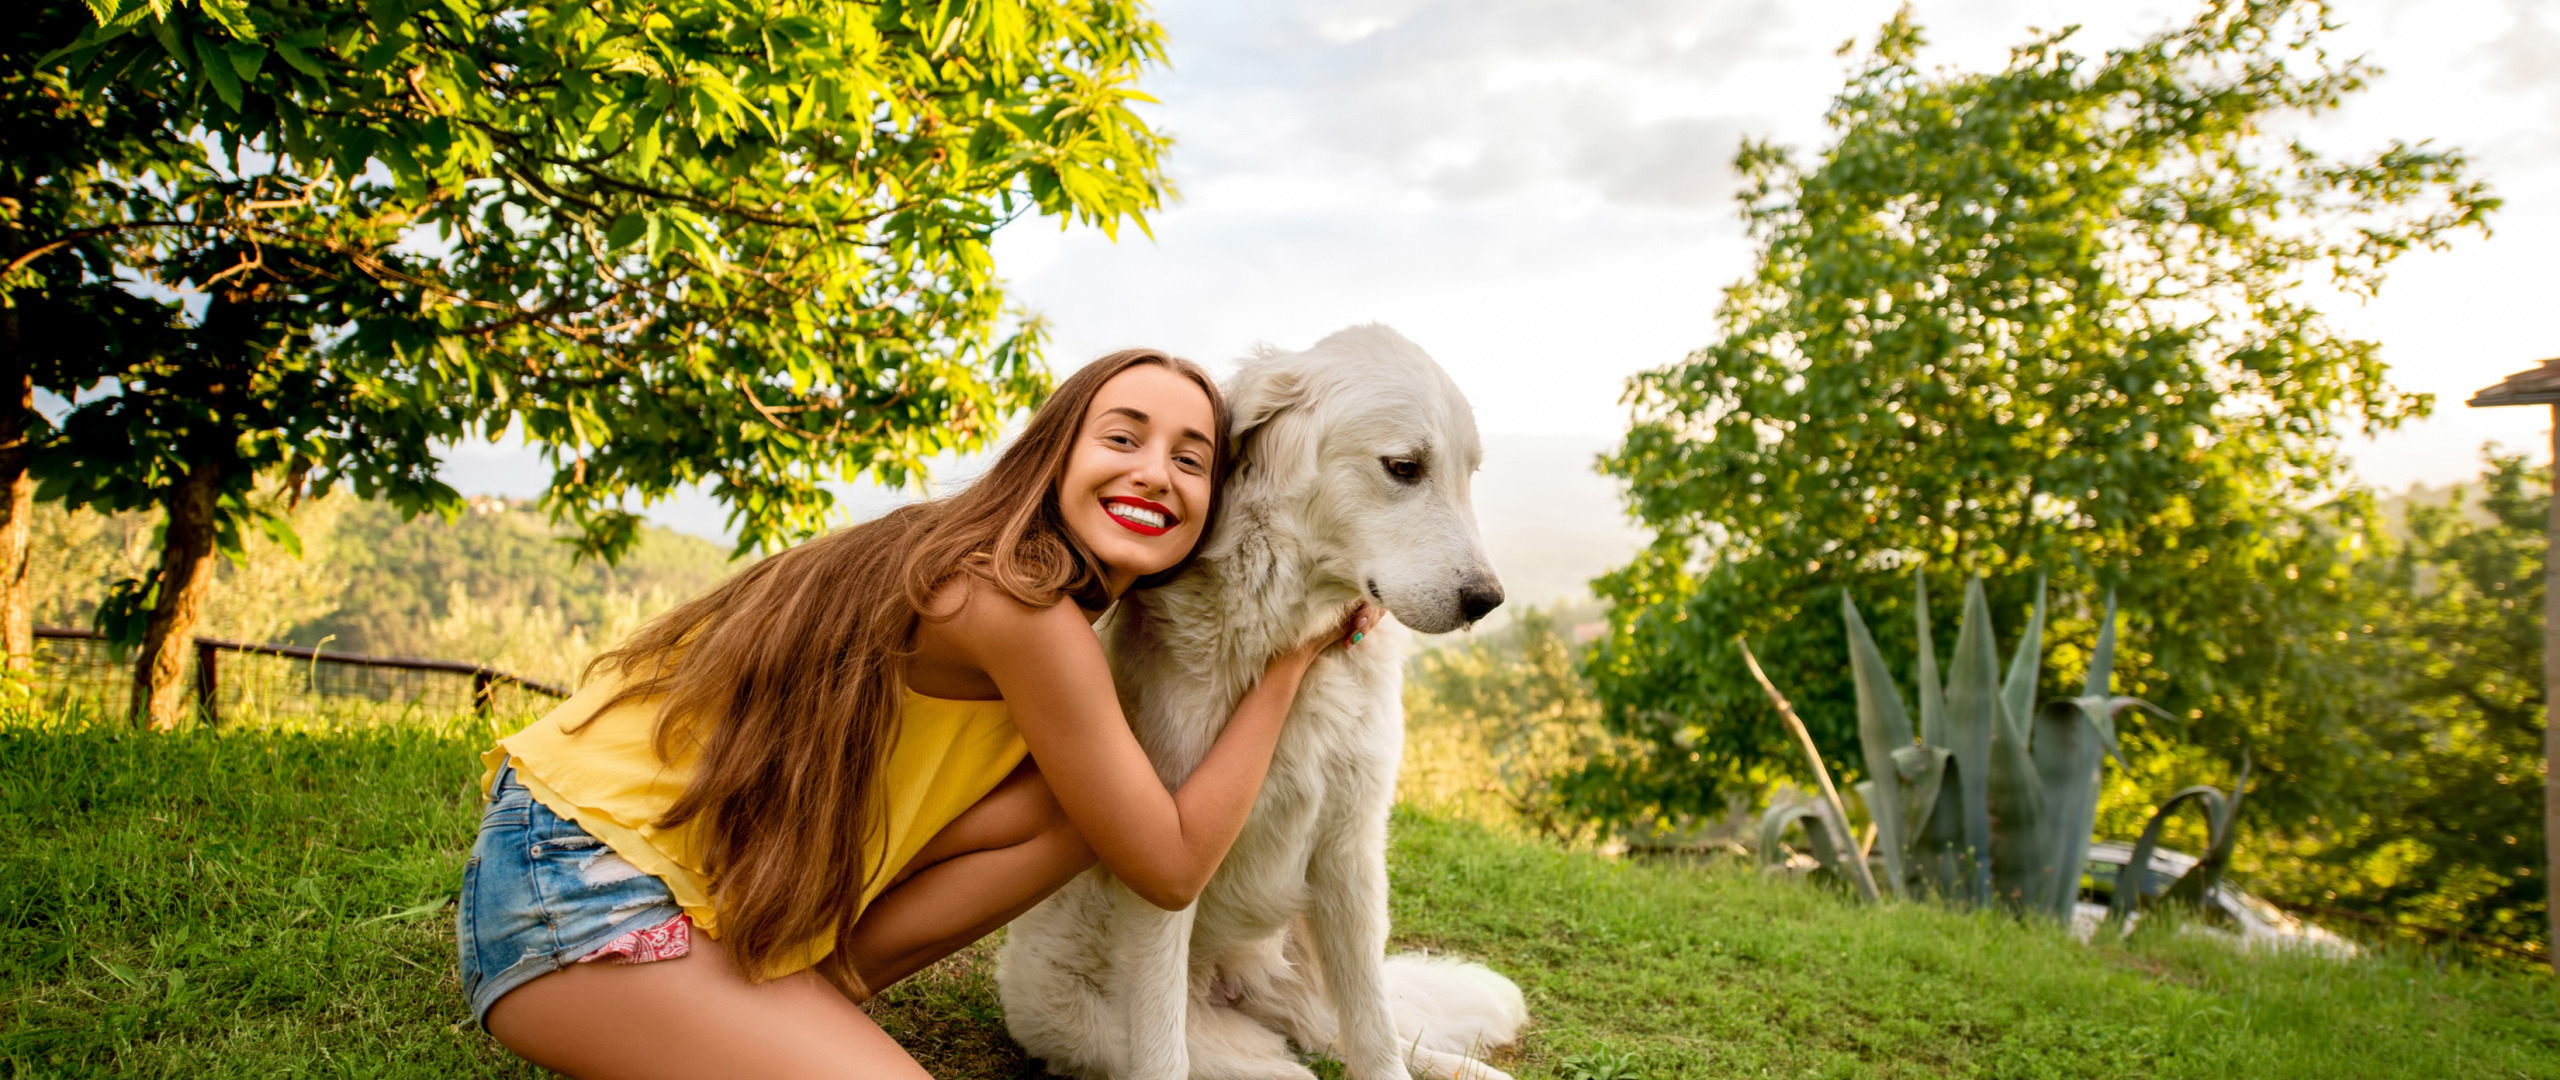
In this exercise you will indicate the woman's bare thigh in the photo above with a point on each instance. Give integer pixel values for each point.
(692, 1016)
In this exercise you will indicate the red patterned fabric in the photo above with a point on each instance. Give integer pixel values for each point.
(665, 941)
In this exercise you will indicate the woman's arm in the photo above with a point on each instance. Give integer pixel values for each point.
(1163, 845)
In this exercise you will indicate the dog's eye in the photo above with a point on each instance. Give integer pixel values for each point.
(1405, 469)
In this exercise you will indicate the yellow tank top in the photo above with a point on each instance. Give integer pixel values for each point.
(607, 777)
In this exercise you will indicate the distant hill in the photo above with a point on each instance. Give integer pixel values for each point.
(494, 586)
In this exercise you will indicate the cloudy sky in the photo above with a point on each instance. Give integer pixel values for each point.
(1539, 192)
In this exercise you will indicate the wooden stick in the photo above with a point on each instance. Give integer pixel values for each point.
(1857, 858)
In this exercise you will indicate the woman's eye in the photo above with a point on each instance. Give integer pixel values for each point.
(1406, 469)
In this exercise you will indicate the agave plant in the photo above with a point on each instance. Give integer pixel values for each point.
(2222, 816)
(1993, 799)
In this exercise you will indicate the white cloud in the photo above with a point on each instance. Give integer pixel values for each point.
(1540, 192)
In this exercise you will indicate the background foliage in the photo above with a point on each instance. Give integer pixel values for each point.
(2043, 320)
(691, 242)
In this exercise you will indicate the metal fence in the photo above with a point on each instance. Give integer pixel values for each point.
(77, 668)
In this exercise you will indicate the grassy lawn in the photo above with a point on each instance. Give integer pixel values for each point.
(276, 904)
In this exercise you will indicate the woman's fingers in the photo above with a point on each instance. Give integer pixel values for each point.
(1357, 622)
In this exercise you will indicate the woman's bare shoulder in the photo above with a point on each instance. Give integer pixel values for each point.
(974, 621)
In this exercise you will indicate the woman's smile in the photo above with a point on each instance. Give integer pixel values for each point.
(1140, 516)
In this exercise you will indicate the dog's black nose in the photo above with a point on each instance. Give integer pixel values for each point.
(1478, 597)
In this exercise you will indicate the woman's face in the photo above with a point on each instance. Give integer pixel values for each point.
(1136, 486)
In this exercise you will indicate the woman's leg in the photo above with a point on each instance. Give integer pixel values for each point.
(992, 863)
(697, 1015)
(693, 1016)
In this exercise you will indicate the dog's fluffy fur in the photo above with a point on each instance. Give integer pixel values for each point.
(1286, 947)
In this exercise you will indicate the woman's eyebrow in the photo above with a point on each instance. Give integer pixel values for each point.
(1133, 414)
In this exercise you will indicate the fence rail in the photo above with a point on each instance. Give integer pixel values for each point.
(78, 665)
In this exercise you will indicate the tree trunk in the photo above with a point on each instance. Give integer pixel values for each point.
(186, 575)
(17, 500)
(2551, 705)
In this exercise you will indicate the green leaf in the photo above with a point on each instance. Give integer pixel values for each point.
(215, 67)
(645, 148)
(295, 58)
(626, 229)
(280, 530)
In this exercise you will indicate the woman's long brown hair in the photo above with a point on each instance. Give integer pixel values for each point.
(788, 678)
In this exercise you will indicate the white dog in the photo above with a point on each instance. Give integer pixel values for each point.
(1354, 459)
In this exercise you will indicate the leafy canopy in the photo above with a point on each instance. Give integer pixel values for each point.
(743, 244)
(2054, 318)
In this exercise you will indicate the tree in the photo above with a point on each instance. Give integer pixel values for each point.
(2442, 833)
(248, 390)
(669, 243)
(2045, 320)
(65, 322)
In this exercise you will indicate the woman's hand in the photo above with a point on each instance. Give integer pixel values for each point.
(1355, 626)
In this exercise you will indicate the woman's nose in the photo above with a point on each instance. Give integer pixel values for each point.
(1153, 472)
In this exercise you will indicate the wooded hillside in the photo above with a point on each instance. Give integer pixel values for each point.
(497, 585)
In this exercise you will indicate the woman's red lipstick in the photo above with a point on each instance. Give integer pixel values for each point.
(1140, 527)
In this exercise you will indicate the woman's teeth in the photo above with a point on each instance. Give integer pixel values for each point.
(1137, 514)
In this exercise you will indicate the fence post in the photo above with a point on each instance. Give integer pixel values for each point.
(481, 691)
(207, 682)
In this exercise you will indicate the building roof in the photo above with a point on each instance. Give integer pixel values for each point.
(2532, 386)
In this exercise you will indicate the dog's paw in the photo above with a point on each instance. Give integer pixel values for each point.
(1439, 1065)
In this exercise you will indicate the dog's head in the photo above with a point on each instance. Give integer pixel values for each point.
(1366, 448)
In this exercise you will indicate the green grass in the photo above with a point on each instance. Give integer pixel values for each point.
(275, 903)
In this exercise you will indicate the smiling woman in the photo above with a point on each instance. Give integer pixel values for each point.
(1151, 434)
(858, 756)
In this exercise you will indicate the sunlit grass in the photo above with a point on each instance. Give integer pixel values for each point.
(274, 900)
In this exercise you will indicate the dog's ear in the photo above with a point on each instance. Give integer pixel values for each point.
(1264, 397)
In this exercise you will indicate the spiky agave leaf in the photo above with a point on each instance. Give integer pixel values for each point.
(2073, 739)
(1884, 731)
(2022, 863)
(1934, 820)
(2137, 869)
(1933, 699)
(2068, 756)
(2022, 844)
(2201, 879)
(1943, 850)
(2018, 690)
(1828, 837)
(1973, 719)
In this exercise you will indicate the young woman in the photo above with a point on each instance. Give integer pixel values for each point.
(858, 756)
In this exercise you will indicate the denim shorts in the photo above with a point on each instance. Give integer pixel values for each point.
(539, 894)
